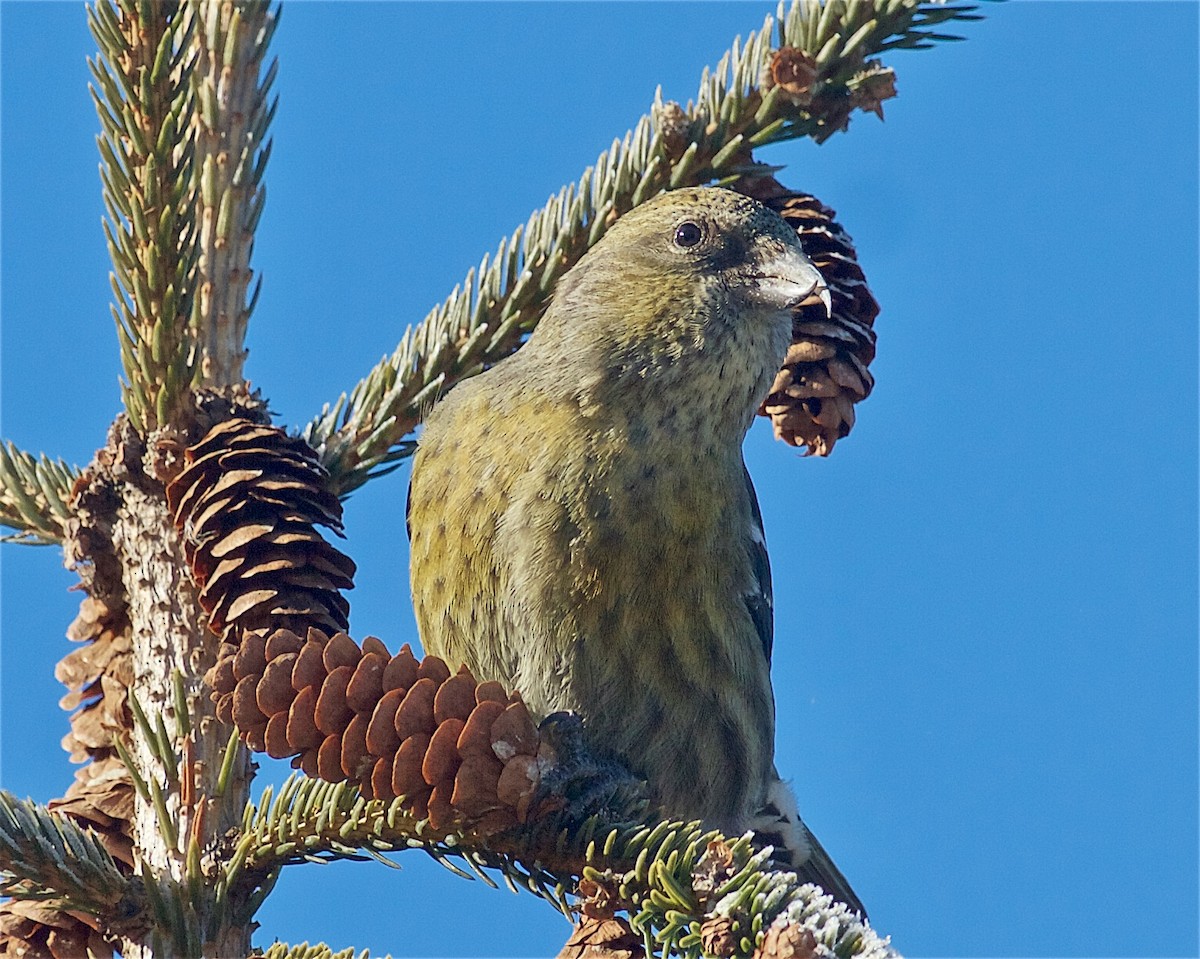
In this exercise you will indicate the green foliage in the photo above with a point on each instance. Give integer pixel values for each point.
(143, 95)
(280, 950)
(33, 496)
(234, 110)
(650, 862)
(497, 305)
(46, 856)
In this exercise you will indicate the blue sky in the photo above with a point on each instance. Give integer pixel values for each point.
(986, 662)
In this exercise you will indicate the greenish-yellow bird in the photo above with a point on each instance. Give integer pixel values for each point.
(584, 529)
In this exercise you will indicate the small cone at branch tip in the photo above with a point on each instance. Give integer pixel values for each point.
(825, 373)
(719, 936)
(787, 940)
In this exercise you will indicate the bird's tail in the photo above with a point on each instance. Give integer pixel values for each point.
(796, 848)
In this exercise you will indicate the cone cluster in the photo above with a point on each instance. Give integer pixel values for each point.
(824, 374)
(248, 502)
(296, 686)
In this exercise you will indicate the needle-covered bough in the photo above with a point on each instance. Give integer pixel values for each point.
(200, 517)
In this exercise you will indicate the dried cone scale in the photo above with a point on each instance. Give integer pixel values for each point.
(825, 373)
(101, 797)
(460, 752)
(99, 674)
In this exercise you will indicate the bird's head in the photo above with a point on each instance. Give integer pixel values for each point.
(695, 284)
(706, 238)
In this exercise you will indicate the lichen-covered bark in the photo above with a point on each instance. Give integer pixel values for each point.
(125, 539)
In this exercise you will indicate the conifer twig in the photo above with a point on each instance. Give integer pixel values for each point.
(656, 867)
(33, 496)
(47, 856)
(742, 104)
(143, 95)
(281, 950)
(234, 112)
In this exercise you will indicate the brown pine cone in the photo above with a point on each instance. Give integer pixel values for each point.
(458, 751)
(825, 373)
(247, 504)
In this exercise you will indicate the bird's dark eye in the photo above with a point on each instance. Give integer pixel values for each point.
(688, 234)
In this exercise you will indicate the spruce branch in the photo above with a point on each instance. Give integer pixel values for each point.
(234, 112)
(33, 496)
(313, 820)
(281, 950)
(752, 98)
(675, 879)
(47, 856)
(144, 99)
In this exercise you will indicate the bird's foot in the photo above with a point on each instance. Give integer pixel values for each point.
(578, 784)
